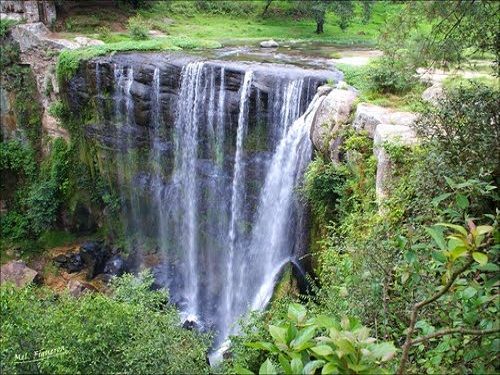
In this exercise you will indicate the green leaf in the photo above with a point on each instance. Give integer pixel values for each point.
(455, 227)
(296, 312)
(285, 364)
(439, 256)
(438, 237)
(326, 321)
(462, 201)
(440, 198)
(481, 258)
(322, 350)
(344, 347)
(489, 267)
(469, 292)
(329, 368)
(242, 371)
(384, 351)
(311, 367)
(267, 368)
(262, 345)
(301, 342)
(297, 366)
(278, 334)
(458, 251)
(484, 229)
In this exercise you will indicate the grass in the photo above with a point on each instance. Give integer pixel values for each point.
(69, 60)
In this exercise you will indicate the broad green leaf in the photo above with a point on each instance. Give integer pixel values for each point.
(489, 267)
(439, 256)
(484, 229)
(440, 198)
(458, 251)
(291, 332)
(344, 347)
(311, 367)
(322, 350)
(438, 237)
(469, 292)
(242, 371)
(285, 364)
(455, 227)
(267, 368)
(326, 322)
(329, 369)
(296, 312)
(303, 336)
(479, 257)
(263, 345)
(462, 201)
(278, 334)
(297, 366)
(384, 351)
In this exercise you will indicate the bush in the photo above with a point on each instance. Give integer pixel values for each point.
(137, 28)
(392, 75)
(97, 333)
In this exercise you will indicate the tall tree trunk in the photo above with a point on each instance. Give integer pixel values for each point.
(319, 26)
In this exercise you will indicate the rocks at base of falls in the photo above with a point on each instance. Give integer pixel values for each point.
(19, 274)
(94, 257)
(77, 288)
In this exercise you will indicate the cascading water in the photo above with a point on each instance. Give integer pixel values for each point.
(212, 189)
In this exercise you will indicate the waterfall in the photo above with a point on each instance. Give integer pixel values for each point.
(208, 179)
(237, 193)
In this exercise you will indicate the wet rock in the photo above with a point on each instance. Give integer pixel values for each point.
(77, 288)
(115, 266)
(70, 262)
(368, 116)
(94, 255)
(19, 274)
(332, 114)
(269, 44)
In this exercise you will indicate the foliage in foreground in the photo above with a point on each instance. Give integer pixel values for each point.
(131, 331)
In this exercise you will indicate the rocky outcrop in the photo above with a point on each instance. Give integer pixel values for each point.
(332, 114)
(28, 11)
(402, 135)
(433, 94)
(19, 274)
(368, 116)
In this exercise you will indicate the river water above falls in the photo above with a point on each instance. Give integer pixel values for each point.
(206, 157)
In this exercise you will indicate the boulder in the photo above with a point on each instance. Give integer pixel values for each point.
(77, 288)
(83, 41)
(115, 266)
(400, 134)
(433, 94)
(71, 262)
(19, 274)
(368, 116)
(332, 113)
(269, 44)
(94, 255)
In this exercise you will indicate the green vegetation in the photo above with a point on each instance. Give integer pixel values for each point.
(133, 330)
(69, 60)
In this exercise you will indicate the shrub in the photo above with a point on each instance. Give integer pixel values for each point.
(392, 75)
(97, 333)
(137, 28)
